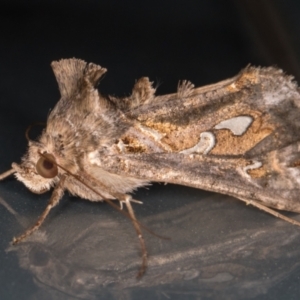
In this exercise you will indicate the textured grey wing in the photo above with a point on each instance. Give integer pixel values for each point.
(246, 179)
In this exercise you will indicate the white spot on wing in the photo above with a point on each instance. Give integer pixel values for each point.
(93, 158)
(156, 135)
(206, 143)
(121, 146)
(237, 125)
(243, 171)
(255, 165)
(233, 86)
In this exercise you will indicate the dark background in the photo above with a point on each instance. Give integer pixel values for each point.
(203, 41)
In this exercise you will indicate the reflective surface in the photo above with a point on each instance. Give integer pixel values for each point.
(219, 248)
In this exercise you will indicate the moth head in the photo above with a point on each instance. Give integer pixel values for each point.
(38, 170)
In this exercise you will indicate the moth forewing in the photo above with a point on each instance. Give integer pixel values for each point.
(238, 137)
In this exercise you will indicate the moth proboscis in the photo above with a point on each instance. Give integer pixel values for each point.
(239, 137)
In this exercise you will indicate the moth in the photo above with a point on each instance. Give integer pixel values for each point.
(239, 137)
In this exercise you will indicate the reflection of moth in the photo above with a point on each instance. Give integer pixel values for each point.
(238, 137)
(231, 265)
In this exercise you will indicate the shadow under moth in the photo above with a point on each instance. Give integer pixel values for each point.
(239, 137)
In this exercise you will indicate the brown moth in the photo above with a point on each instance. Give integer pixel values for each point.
(239, 137)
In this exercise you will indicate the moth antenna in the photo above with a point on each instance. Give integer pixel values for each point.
(8, 207)
(121, 197)
(30, 127)
(270, 211)
(21, 220)
(7, 173)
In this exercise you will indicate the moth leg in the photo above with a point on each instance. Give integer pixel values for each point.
(55, 197)
(270, 211)
(131, 200)
(7, 173)
(127, 199)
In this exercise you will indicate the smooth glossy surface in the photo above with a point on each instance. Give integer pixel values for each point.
(220, 248)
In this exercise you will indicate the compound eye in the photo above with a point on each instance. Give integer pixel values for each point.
(45, 167)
